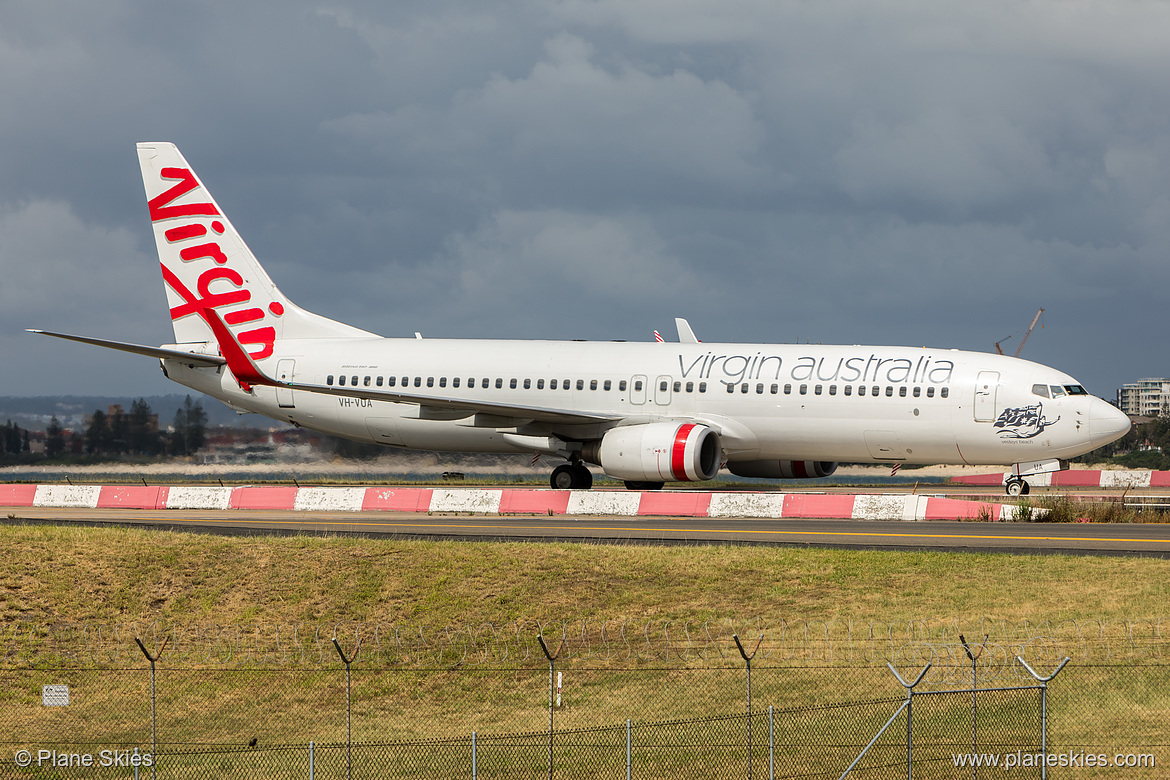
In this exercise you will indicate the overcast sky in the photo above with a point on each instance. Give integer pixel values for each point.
(916, 172)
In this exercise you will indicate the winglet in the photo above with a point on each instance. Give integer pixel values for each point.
(685, 334)
(239, 362)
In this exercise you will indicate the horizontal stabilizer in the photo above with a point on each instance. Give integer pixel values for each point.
(162, 353)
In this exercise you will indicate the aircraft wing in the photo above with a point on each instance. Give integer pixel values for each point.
(248, 374)
(162, 353)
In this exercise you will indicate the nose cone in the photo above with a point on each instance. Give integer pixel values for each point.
(1107, 423)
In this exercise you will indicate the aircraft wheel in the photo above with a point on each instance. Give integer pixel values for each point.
(563, 478)
(582, 477)
(1016, 487)
(633, 485)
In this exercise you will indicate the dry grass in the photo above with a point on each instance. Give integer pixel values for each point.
(59, 575)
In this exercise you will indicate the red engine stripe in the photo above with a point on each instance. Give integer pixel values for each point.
(678, 455)
(798, 469)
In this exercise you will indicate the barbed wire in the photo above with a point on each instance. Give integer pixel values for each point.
(681, 643)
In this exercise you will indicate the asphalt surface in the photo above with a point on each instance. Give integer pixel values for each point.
(1040, 538)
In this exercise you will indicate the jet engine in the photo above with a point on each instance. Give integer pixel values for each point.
(657, 452)
(782, 469)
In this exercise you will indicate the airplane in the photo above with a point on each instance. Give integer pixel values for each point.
(645, 413)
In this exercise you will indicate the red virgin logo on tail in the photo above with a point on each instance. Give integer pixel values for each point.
(196, 303)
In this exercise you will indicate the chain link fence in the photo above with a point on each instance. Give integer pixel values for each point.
(653, 700)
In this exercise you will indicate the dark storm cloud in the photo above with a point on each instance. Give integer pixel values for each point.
(905, 172)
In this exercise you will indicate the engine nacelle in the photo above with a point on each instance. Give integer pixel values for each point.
(658, 452)
(782, 469)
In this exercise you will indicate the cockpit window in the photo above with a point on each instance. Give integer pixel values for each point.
(1075, 390)
(1040, 390)
(1057, 391)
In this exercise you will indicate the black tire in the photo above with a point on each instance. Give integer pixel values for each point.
(1016, 487)
(582, 478)
(563, 478)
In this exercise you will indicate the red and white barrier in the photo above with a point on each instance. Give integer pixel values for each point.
(1136, 478)
(505, 501)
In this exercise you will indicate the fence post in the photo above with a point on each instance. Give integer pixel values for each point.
(153, 713)
(312, 762)
(552, 662)
(348, 707)
(771, 743)
(474, 759)
(974, 687)
(909, 716)
(1043, 709)
(748, 660)
(629, 750)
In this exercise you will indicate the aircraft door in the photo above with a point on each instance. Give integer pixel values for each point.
(638, 389)
(986, 387)
(662, 390)
(284, 373)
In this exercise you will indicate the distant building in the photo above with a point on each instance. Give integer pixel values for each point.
(1145, 398)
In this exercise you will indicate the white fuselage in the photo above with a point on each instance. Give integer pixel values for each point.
(853, 404)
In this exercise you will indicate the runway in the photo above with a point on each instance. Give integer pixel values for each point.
(1014, 538)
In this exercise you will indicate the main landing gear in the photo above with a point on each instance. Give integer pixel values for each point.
(571, 476)
(1016, 487)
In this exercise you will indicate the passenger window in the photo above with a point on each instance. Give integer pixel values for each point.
(540, 384)
(565, 384)
(901, 392)
(378, 381)
(638, 386)
(455, 382)
(946, 391)
(366, 382)
(430, 381)
(848, 389)
(804, 389)
(580, 384)
(592, 384)
(552, 385)
(678, 387)
(622, 385)
(787, 389)
(608, 385)
(930, 392)
(406, 381)
(775, 389)
(527, 384)
(731, 388)
(917, 392)
(832, 389)
(662, 386)
(391, 381)
(512, 384)
(442, 381)
(889, 392)
(861, 389)
(1040, 390)
(875, 390)
(353, 381)
(702, 387)
(817, 390)
(499, 383)
(329, 379)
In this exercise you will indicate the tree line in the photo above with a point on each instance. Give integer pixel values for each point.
(116, 433)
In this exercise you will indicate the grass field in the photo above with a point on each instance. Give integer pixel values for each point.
(57, 576)
(71, 575)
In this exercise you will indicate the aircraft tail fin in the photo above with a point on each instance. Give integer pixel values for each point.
(207, 266)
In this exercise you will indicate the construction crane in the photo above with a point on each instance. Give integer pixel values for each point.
(1024, 340)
